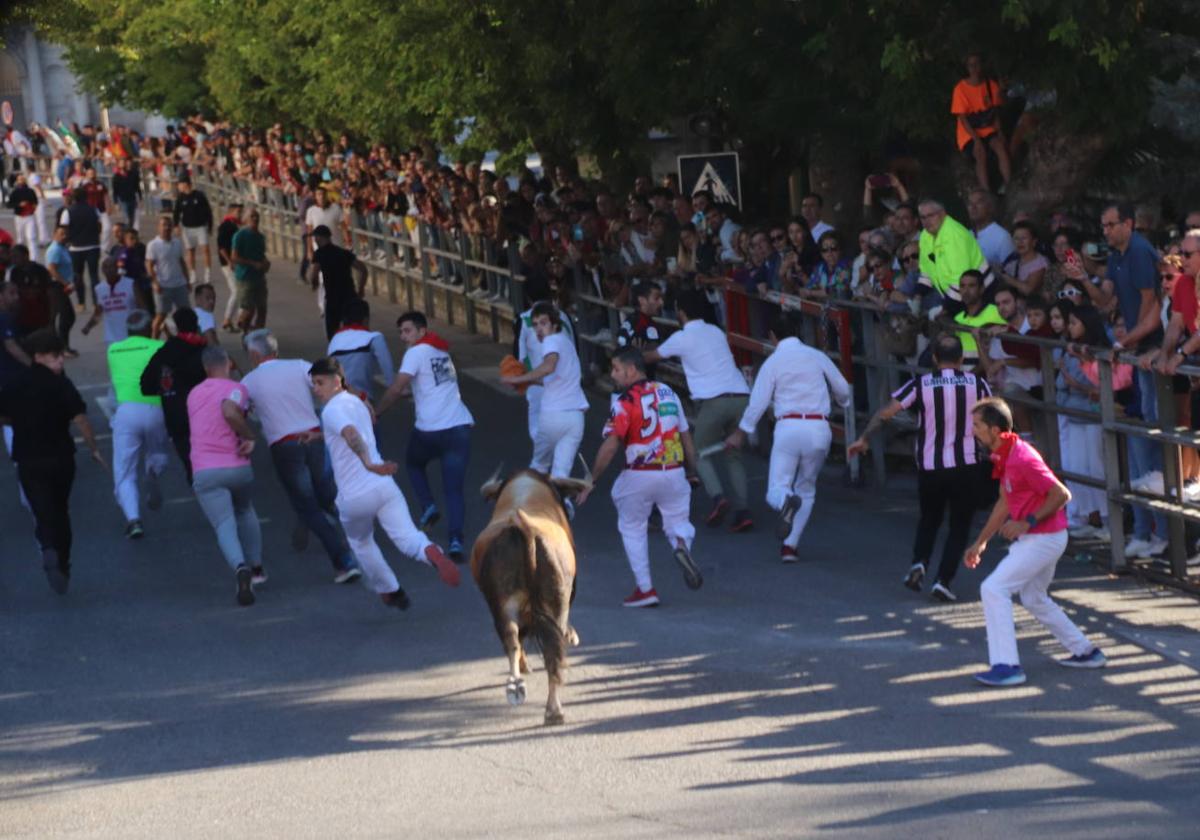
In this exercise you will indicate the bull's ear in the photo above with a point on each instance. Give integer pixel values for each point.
(570, 487)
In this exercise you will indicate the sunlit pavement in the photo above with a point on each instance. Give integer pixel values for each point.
(820, 698)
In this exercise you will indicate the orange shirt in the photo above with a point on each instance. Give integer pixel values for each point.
(974, 99)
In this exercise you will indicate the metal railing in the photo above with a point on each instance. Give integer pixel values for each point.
(478, 285)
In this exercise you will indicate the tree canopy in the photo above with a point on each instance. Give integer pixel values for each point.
(594, 76)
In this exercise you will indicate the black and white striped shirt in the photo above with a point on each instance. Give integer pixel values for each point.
(943, 401)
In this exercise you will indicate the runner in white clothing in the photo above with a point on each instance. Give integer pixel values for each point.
(528, 350)
(116, 298)
(795, 381)
(560, 423)
(366, 490)
(443, 427)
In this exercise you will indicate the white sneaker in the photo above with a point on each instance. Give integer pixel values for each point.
(1136, 547)
(1101, 534)
(1155, 547)
(1151, 482)
(1191, 492)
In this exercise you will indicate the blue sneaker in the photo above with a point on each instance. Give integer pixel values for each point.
(1095, 658)
(429, 518)
(1001, 676)
(455, 550)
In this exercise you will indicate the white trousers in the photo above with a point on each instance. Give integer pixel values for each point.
(797, 456)
(558, 438)
(1027, 570)
(27, 233)
(386, 504)
(533, 396)
(40, 217)
(634, 493)
(231, 282)
(1082, 452)
(137, 430)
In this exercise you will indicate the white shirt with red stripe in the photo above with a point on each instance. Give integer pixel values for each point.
(796, 380)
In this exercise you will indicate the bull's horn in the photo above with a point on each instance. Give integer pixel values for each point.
(491, 487)
(587, 474)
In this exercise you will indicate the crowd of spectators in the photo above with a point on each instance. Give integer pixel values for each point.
(913, 267)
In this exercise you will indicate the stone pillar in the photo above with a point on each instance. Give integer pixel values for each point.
(33, 70)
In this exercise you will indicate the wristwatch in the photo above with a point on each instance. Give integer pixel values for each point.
(1031, 520)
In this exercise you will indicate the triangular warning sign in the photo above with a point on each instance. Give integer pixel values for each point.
(711, 181)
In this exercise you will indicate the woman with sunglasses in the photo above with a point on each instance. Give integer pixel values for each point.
(831, 277)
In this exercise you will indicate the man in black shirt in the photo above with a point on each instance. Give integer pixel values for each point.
(225, 231)
(36, 291)
(194, 215)
(332, 265)
(41, 407)
(172, 373)
(24, 203)
(127, 189)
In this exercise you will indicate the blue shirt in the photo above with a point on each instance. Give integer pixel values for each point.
(10, 368)
(1131, 273)
(58, 256)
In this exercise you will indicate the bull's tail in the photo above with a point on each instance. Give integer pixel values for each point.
(544, 583)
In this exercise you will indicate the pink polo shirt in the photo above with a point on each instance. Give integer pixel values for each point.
(1025, 481)
(214, 442)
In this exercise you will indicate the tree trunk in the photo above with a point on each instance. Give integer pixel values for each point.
(835, 173)
(1055, 172)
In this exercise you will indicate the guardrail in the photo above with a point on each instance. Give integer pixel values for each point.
(478, 284)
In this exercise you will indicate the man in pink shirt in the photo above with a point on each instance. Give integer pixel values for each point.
(1031, 513)
(222, 441)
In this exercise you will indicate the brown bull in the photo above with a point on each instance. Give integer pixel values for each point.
(524, 564)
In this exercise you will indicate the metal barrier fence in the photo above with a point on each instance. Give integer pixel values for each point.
(477, 284)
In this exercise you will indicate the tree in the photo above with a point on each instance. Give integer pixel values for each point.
(821, 81)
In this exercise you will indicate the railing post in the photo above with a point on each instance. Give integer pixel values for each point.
(1177, 543)
(1112, 468)
(875, 387)
(1049, 420)
(426, 289)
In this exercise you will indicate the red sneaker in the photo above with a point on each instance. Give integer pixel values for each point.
(788, 554)
(641, 599)
(719, 508)
(446, 570)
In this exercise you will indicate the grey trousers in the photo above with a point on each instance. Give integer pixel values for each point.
(225, 496)
(715, 420)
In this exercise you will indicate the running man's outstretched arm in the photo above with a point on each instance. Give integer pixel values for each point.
(881, 416)
(604, 456)
(359, 447)
(399, 387)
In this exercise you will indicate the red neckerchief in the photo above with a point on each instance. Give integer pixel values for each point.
(435, 341)
(350, 327)
(1001, 452)
(230, 218)
(195, 339)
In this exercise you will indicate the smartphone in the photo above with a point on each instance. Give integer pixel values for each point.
(880, 181)
(1071, 257)
(577, 233)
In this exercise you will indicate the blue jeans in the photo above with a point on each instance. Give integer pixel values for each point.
(1145, 456)
(307, 478)
(453, 447)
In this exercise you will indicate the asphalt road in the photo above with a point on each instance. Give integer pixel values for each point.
(816, 699)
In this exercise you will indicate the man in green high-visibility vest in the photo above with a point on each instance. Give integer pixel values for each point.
(138, 429)
(976, 316)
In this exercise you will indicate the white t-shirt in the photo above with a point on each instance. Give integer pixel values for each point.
(707, 361)
(206, 319)
(562, 391)
(353, 479)
(330, 216)
(996, 244)
(168, 261)
(117, 301)
(435, 389)
(281, 392)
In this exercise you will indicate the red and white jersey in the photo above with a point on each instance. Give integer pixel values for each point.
(648, 418)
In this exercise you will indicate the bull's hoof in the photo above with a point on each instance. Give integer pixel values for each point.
(554, 718)
(515, 691)
(572, 637)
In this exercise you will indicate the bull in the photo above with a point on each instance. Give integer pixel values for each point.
(524, 564)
